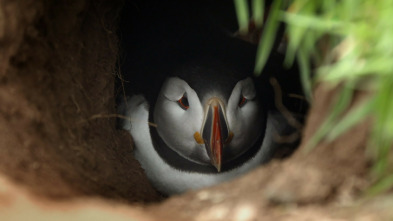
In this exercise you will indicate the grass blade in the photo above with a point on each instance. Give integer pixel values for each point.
(258, 11)
(305, 73)
(342, 103)
(383, 185)
(350, 119)
(243, 15)
(268, 37)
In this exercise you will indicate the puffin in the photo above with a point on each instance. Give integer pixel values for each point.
(197, 114)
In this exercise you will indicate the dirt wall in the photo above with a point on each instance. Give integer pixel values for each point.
(57, 71)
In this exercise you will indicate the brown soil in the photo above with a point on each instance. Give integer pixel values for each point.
(56, 80)
(57, 141)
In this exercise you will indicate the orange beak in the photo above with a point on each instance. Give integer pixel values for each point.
(215, 132)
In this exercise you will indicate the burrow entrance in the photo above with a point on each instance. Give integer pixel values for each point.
(59, 63)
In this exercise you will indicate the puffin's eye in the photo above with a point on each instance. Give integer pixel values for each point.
(242, 101)
(183, 103)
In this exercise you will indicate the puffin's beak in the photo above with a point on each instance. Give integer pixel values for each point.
(215, 131)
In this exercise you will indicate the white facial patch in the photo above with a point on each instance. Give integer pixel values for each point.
(246, 121)
(177, 126)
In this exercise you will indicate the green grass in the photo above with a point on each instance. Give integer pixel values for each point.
(351, 43)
